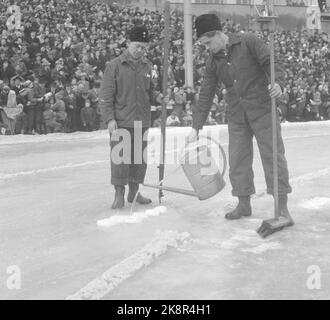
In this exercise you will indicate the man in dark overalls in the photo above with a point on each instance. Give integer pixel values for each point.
(242, 63)
(125, 96)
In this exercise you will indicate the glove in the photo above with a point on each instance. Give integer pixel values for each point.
(112, 126)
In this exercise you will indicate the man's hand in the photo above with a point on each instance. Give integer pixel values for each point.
(192, 137)
(112, 126)
(276, 91)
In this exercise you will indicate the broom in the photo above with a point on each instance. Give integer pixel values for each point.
(278, 223)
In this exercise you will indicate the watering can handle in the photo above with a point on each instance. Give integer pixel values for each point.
(221, 150)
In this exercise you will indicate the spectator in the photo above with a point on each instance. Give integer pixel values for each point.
(210, 121)
(187, 115)
(7, 71)
(173, 120)
(51, 125)
(315, 105)
(59, 108)
(30, 103)
(70, 101)
(11, 109)
(21, 124)
(88, 116)
(180, 101)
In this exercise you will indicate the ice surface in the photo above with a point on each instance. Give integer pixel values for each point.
(55, 188)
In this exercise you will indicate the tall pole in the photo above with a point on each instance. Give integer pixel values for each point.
(274, 127)
(188, 44)
(270, 22)
(166, 47)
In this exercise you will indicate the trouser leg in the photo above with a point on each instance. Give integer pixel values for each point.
(132, 169)
(138, 167)
(241, 158)
(119, 164)
(262, 129)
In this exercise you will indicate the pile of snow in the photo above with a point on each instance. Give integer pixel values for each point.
(136, 217)
(109, 280)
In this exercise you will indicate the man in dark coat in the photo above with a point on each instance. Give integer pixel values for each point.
(70, 100)
(242, 63)
(124, 100)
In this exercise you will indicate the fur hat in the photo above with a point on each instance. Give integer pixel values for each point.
(207, 23)
(139, 33)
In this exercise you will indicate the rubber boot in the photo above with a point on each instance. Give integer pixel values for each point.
(119, 201)
(133, 189)
(243, 209)
(283, 207)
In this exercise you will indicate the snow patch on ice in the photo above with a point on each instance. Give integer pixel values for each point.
(317, 203)
(136, 217)
(230, 244)
(114, 276)
(263, 248)
(242, 237)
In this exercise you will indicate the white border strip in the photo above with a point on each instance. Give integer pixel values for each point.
(114, 276)
(103, 134)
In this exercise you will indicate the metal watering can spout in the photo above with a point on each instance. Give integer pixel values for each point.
(204, 176)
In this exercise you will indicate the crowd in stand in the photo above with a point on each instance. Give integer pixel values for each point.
(296, 3)
(52, 61)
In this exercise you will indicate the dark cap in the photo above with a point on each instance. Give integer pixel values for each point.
(139, 33)
(207, 23)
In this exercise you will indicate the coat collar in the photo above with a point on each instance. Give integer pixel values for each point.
(126, 57)
(234, 38)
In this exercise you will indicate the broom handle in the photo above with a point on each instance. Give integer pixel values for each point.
(274, 127)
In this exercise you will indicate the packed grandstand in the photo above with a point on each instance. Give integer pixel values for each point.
(52, 60)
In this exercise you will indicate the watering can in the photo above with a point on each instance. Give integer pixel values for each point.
(206, 182)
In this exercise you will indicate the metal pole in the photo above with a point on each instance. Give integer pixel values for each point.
(188, 44)
(165, 85)
(274, 126)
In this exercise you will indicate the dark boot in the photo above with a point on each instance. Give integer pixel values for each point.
(119, 201)
(133, 189)
(283, 207)
(243, 209)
